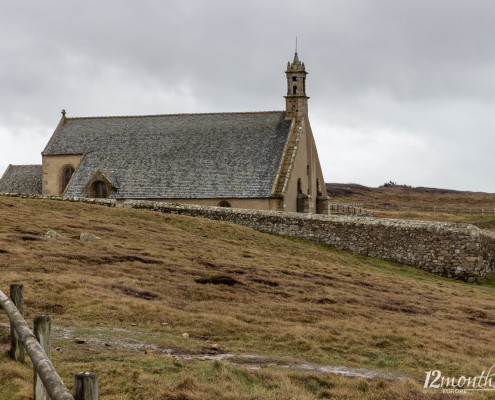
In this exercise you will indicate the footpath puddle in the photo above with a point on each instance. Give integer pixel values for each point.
(115, 337)
(143, 341)
(255, 362)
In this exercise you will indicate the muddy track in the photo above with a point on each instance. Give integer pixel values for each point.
(143, 341)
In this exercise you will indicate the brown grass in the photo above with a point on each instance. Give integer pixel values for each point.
(425, 205)
(153, 277)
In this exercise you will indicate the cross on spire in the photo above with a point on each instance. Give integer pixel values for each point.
(296, 58)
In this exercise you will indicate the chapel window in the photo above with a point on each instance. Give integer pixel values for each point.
(67, 173)
(100, 190)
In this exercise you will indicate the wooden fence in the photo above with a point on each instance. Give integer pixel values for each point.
(47, 383)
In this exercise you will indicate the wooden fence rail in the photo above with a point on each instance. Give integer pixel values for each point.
(23, 338)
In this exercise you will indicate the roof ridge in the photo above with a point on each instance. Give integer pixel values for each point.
(177, 115)
(25, 165)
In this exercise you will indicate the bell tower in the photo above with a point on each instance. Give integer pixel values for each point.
(296, 101)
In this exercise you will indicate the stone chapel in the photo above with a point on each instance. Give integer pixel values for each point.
(252, 160)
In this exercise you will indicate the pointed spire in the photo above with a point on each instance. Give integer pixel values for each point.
(296, 63)
(296, 58)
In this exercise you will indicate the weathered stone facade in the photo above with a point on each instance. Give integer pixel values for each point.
(250, 160)
(458, 251)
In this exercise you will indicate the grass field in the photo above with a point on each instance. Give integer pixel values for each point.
(283, 306)
(422, 203)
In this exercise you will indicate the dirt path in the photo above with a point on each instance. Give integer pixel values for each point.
(142, 341)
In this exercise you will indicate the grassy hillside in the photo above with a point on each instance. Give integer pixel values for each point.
(399, 201)
(273, 314)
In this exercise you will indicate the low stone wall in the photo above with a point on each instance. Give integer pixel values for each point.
(350, 209)
(457, 251)
(101, 202)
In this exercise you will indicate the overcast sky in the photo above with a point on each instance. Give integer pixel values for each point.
(401, 90)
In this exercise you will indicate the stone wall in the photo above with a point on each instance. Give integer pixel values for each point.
(52, 172)
(101, 202)
(350, 209)
(457, 251)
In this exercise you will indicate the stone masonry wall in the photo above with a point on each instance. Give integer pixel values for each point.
(457, 251)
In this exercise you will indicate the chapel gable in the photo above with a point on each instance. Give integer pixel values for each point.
(101, 185)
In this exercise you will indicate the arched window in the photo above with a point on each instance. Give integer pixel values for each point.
(318, 187)
(67, 173)
(100, 190)
(224, 203)
(299, 186)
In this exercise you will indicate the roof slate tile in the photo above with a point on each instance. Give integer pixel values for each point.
(24, 179)
(231, 155)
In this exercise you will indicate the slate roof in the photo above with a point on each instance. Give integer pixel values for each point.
(24, 179)
(225, 155)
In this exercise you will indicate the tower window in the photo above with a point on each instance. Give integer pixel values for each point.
(294, 78)
(294, 89)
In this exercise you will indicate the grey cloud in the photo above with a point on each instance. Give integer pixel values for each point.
(423, 69)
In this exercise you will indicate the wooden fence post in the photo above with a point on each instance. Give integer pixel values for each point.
(53, 384)
(42, 331)
(86, 386)
(16, 347)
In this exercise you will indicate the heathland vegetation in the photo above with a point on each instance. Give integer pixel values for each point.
(405, 202)
(271, 312)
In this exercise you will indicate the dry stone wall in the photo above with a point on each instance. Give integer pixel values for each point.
(350, 209)
(457, 251)
(101, 202)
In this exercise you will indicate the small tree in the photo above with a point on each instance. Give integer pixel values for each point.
(389, 184)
